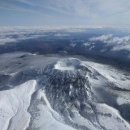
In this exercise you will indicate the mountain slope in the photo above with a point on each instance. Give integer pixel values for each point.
(68, 94)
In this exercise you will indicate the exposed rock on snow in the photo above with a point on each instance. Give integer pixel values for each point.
(70, 95)
(70, 87)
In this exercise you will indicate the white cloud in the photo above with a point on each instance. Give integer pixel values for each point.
(6, 40)
(14, 34)
(117, 43)
(103, 38)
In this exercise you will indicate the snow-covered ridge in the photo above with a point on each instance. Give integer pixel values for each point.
(118, 77)
(47, 118)
(14, 105)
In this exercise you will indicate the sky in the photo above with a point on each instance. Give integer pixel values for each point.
(114, 13)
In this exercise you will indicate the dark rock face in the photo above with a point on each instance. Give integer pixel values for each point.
(65, 77)
(68, 88)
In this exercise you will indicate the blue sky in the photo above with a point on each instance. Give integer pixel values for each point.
(65, 12)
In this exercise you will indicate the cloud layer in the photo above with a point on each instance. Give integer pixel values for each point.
(111, 45)
(116, 43)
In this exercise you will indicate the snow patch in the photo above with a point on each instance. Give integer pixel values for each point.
(60, 65)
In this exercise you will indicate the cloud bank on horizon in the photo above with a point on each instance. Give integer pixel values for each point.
(107, 44)
(65, 12)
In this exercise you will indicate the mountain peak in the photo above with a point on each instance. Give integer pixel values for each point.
(66, 83)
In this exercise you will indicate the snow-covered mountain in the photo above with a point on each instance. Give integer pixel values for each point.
(64, 78)
(62, 93)
(72, 87)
